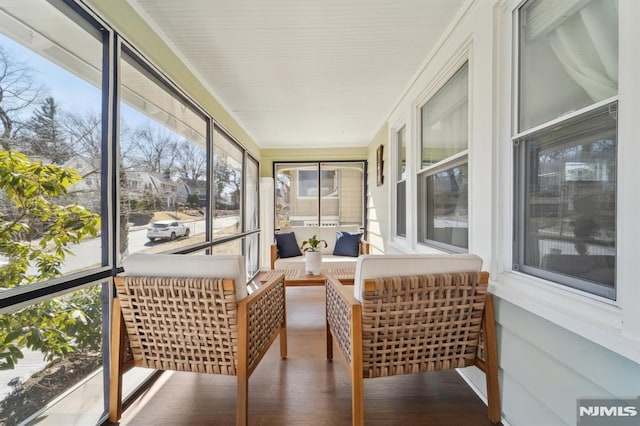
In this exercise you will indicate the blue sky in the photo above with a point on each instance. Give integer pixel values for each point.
(66, 88)
(63, 86)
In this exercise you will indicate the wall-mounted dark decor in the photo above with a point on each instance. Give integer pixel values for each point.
(379, 164)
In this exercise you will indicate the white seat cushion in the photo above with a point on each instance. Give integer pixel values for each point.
(378, 266)
(329, 261)
(184, 265)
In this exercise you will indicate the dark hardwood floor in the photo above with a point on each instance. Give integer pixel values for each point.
(306, 389)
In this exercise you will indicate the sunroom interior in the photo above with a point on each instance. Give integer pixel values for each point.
(501, 128)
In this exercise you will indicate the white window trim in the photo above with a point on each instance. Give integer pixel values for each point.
(612, 324)
(462, 57)
(393, 181)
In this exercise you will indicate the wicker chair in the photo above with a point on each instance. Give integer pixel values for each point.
(201, 321)
(433, 314)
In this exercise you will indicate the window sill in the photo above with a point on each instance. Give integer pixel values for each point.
(593, 318)
(401, 245)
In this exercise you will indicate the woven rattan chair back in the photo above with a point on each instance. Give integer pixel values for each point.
(182, 324)
(194, 324)
(422, 323)
(414, 324)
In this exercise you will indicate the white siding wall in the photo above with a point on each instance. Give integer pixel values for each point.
(550, 358)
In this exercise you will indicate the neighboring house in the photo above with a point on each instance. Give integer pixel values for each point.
(341, 196)
(88, 188)
(141, 183)
(187, 187)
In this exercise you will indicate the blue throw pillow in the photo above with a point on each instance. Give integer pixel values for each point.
(347, 244)
(287, 245)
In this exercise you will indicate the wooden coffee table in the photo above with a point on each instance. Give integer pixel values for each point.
(299, 277)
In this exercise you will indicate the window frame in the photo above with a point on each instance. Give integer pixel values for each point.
(319, 169)
(520, 170)
(611, 324)
(156, 76)
(400, 210)
(459, 158)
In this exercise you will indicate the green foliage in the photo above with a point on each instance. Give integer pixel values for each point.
(312, 244)
(193, 200)
(55, 327)
(37, 232)
(36, 229)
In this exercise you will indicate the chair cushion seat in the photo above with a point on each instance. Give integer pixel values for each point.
(183, 265)
(378, 266)
(329, 261)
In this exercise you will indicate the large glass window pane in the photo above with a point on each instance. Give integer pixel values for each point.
(233, 247)
(163, 175)
(442, 182)
(568, 57)
(251, 255)
(48, 348)
(401, 183)
(570, 202)
(296, 187)
(342, 201)
(325, 194)
(447, 215)
(444, 120)
(566, 168)
(50, 115)
(227, 185)
(252, 208)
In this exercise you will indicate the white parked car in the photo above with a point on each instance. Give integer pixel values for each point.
(167, 230)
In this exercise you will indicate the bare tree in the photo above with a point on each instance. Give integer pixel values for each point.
(154, 149)
(191, 162)
(85, 133)
(18, 91)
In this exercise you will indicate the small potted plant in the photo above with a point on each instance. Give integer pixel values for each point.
(313, 255)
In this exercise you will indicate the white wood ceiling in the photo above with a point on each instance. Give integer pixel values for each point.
(304, 73)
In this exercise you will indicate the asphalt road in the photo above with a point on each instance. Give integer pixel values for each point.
(88, 253)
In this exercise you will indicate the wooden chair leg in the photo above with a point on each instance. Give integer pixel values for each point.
(283, 342)
(116, 361)
(357, 379)
(329, 342)
(283, 329)
(357, 397)
(491, 355)
(242, 402)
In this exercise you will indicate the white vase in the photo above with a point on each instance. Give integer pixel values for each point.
(313, 262)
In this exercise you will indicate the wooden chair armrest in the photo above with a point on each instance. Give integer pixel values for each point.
(274, 255)
(344, 314)
(261, 317)
(345, 291)
(364, 247)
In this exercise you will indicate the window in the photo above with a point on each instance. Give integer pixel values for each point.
(341, 186)
(59, 247)
(50, 104)
(52, 213)
(163, 168)
(442, 180)
(228, 159)
(401, 183)
(252, 215)
(566, 145)
(308, 183)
